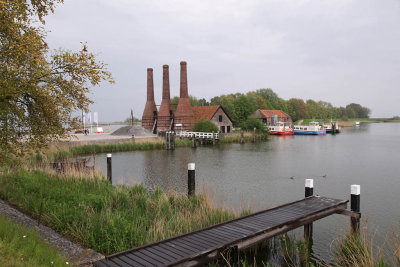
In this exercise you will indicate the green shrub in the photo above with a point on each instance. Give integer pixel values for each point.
(205, 126)
(252, 123)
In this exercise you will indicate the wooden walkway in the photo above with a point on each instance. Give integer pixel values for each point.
(201, 246)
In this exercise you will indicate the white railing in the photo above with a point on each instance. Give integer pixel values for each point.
(198, 135)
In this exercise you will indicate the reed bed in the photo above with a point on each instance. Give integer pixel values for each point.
(103, 217)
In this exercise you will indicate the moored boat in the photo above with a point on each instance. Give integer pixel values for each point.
(280, 129)
(312, 129)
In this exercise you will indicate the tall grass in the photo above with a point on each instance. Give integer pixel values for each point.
(359, 251)
(20, 246)
(103, 217)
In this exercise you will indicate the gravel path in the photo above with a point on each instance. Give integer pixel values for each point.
(78, 255)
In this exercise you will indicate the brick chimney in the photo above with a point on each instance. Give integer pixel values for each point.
(166, 111)
(150, 110)
(184, 113)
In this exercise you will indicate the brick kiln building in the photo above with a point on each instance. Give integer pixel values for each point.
(166, 118)
(215, 114)
(271, 117)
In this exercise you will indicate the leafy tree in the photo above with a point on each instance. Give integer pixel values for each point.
(205, 126)
(242, 108)
(359, 111)
(270, 96)
(252, 123)
(39, 90)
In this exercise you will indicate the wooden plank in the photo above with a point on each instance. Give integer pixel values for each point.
(209, 236)
(149, 259)
(200, 242)
(227, 232)
(119, 262)
(237, 229)
(110, 263)
(194, 244)
(101, 263)
(163, 254)
(183, 246)
(249, 226)
(222, 237)
(153, 256)
(130, 261)
(174, 251)
(137, 259)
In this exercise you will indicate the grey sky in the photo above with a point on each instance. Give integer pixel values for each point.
(340, 51)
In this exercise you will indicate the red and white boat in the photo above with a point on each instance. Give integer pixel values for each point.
(280, 129)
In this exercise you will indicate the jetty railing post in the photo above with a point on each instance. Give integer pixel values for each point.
(254, 135)
(309, 191)
(242, 137)
(355, 206)
(191, 179)
(109, 168)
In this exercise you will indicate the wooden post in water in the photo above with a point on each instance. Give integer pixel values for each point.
(191, 180)
(333, 128)
(173, 140)
(309, 191)
(109, 168)
(193, 141)
(213, 136)
(242, 137)
(254, 135)
(355, 206)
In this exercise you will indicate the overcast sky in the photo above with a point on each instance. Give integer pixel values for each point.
(340, 51)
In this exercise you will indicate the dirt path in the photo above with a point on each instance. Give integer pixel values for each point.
(78, 255)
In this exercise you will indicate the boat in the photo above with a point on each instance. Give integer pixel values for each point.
(280, 129)
(312, 129)
(329, 127)
(357, 123)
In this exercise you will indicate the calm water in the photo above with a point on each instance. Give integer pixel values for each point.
(267, 174)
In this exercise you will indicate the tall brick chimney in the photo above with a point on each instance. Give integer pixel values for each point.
(150, 110)
(184, 114)
(165, 113)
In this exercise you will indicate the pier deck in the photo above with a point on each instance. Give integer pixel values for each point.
(201, 246)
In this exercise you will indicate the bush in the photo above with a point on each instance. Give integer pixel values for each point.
(252, 123)
(205, 126)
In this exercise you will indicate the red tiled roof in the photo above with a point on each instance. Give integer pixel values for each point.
(205, 113)
(270, 113)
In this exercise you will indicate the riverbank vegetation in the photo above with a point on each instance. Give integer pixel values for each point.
(103, 217)
(20, 246)
(239, 106)
(63, 152)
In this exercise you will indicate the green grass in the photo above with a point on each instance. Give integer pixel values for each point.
(20, 246)
(103, 217)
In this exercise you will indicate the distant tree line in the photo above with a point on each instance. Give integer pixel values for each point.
(239, 106)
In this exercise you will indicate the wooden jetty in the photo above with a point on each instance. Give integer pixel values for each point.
(199, 247)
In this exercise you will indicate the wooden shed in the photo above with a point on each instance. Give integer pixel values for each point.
(215, 114)
(271, 117)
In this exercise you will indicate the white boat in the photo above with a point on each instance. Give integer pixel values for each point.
(357, 123)
(312, 129)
